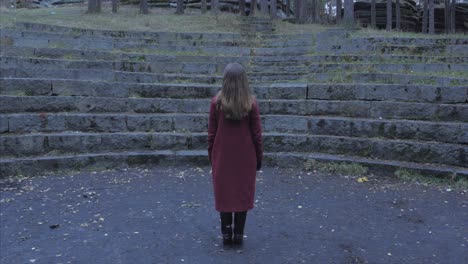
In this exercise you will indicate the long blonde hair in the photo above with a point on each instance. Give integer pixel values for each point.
(235, 98)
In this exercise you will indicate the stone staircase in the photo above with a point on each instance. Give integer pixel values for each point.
(76, 98)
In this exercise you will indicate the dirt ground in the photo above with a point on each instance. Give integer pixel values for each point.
(166, 215)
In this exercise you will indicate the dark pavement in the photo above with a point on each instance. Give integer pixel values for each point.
(166, 215)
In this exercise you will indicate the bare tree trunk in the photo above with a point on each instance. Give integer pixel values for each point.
(242, 7)
(373, 15)
(398, 15)
(273, 8)
(203, 6)
(91, 6)
(389, 15)
(214, 6)
(94, 6)
(304, 11)
(431, 17)
(253, 7)
(297, 9)
(453, 25)
(424, 18)
(264, 7)
(447, 16)
(318, 10)
(329, 12)
(338, 12)
(115, 6)
(348, 18)
(144, 7)
(288, 8)
(313, 11)
(180, 7)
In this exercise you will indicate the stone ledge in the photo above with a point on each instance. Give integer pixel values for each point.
(36, 166)
(405, 150)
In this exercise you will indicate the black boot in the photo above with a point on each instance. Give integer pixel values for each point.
(239, 224)
(226, 227)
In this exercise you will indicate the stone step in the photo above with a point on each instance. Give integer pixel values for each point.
(260, 73)
(128, 35)
(41, 87)
(402, 150)
(138, 77)
(149, 67)
(42, 165)
(341, 41)
(53, 40)
(161, 44)
(364, 92)
(162, 38)
(448, 132)
(461, 49)
(349, 58)
(217, 68)
(282, 51)
(333, 77)
(387, 78)
(389, 92)
(412, 41)
(107, 75)
(47, 28)
(378, 67)
(363, 109)
(77, 54)
(135, 77)
(80, 143)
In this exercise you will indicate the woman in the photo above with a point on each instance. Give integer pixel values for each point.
(235, 151)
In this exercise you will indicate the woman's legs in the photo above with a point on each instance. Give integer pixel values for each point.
(239, 224)
(226, 226)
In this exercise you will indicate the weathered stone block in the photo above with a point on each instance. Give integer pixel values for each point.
(36, 123)
(195, 106)
(452, 113)
(89, 88)
(163, 141)
(402, 110)
(4, 127)
(292, 124)
(126, 141)
(158, 105)
(288, 107)
(346, 108)
(101, 105)
(22, 145)
(195, 123)
(24, 87)
(198, 141)
(160, 123)
(75, 143)
(296, 91)
(331, 126)
(96, 123)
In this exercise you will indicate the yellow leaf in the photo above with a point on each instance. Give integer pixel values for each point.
(362, 179)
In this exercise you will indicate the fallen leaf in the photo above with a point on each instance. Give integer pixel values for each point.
(362, 179)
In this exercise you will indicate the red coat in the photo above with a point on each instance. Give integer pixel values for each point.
(234, 148)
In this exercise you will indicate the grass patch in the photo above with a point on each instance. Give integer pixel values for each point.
(343, 168)
(415, 177)
(282, 27)
(127, 18)
(164, 52)
(369, 32)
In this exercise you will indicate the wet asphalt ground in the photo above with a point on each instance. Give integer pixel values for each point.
(166, 215)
